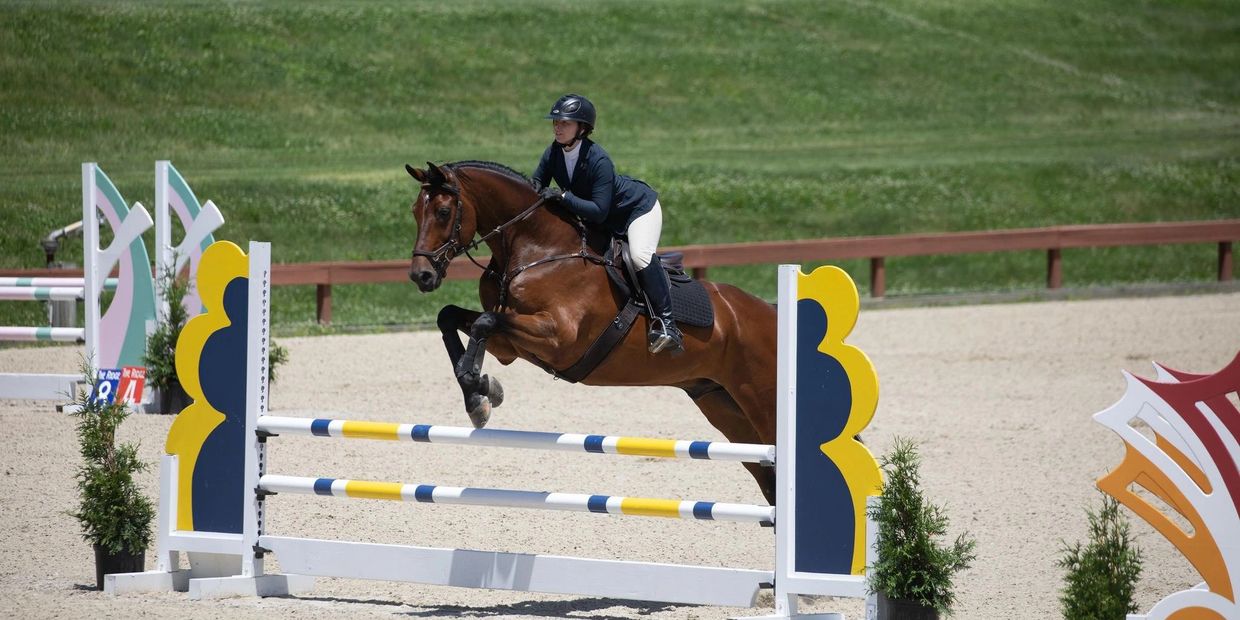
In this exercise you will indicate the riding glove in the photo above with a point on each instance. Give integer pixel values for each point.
(551, 194)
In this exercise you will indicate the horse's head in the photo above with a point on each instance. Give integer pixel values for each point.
(446, 222)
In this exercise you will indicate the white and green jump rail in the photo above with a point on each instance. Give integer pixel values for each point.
(217, 512)
(47, 293)
(115, 338)
(108, 284)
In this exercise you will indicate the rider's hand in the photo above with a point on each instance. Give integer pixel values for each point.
(534, 183)
(551, 194)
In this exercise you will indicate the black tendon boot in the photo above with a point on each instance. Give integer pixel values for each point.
(663, 332)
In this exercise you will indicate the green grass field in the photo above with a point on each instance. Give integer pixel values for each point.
(754, 120)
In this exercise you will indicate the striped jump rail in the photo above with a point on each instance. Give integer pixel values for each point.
(108, 284)
(41, 293)
(568, 442)
(43, 334)
(504, 498)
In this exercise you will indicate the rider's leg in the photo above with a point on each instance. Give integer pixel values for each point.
(643, 236)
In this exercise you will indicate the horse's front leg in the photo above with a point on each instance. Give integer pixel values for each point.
(481, 392)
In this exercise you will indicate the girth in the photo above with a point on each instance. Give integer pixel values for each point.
(601, 347)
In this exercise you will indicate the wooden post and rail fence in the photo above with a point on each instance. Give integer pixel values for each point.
(1052, 240)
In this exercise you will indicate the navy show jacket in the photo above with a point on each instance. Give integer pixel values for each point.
(596, 193)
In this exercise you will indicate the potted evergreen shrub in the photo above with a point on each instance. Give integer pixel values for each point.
(914, 571)
(161, 346)
(114, 514)
(1102, 576)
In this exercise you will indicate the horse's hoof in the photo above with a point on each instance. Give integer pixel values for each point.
(480, 413)
(493, 390)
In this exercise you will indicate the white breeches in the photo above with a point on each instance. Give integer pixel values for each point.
(644, 237)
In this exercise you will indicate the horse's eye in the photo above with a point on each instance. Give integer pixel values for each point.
(444, 212)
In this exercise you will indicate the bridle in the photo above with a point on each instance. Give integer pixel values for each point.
(442, 256)
(450, 249)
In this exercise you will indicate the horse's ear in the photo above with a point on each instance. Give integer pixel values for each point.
(419, 175)
(438, 175)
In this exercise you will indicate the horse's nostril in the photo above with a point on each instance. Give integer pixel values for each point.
(426, 277)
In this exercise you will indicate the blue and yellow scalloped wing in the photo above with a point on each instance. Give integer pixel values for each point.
(208, 435)
(837, 393)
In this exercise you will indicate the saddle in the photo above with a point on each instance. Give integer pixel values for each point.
(690, 301)
(690, 306)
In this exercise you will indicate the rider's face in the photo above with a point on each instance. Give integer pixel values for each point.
(565, 131)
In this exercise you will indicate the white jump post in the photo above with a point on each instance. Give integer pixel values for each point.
(117, 338)
(825, 476)
(198, 221)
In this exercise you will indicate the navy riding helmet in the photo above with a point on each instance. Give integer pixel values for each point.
(572, 107)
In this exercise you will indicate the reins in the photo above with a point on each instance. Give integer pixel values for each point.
(584, 253)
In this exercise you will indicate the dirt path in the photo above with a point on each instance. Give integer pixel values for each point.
(1000, 398)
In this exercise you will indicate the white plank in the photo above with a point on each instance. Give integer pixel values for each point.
(670, 583)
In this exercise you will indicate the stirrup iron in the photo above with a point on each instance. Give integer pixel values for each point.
(662, 337)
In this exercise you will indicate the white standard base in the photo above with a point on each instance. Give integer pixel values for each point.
(822, 616)
(207, 587)
(266, 585)
(496, 570)
(149, 581)
(39, 387)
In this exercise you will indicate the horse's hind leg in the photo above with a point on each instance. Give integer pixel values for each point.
(726, 415)
(481, 392)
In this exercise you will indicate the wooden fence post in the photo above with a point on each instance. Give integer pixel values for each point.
(1224, 261)
(323, 303)
(1054, 268)
(878, 276)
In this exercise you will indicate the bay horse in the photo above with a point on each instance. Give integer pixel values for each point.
(547, 297)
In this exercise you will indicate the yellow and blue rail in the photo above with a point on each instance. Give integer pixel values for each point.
(506, 498)
(570, 442)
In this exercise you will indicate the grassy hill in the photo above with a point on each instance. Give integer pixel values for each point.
(754, 120)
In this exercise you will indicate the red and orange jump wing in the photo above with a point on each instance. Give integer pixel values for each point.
(1192, 464)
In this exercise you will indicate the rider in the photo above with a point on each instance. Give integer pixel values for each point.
(621, 205)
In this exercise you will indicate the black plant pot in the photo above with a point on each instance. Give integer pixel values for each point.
(173, 399)
(107, 563)
(901, 609)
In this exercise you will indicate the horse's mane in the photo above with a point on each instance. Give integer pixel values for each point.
(491, 166)
(599, 243)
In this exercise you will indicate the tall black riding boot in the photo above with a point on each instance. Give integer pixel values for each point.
(663, 332)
